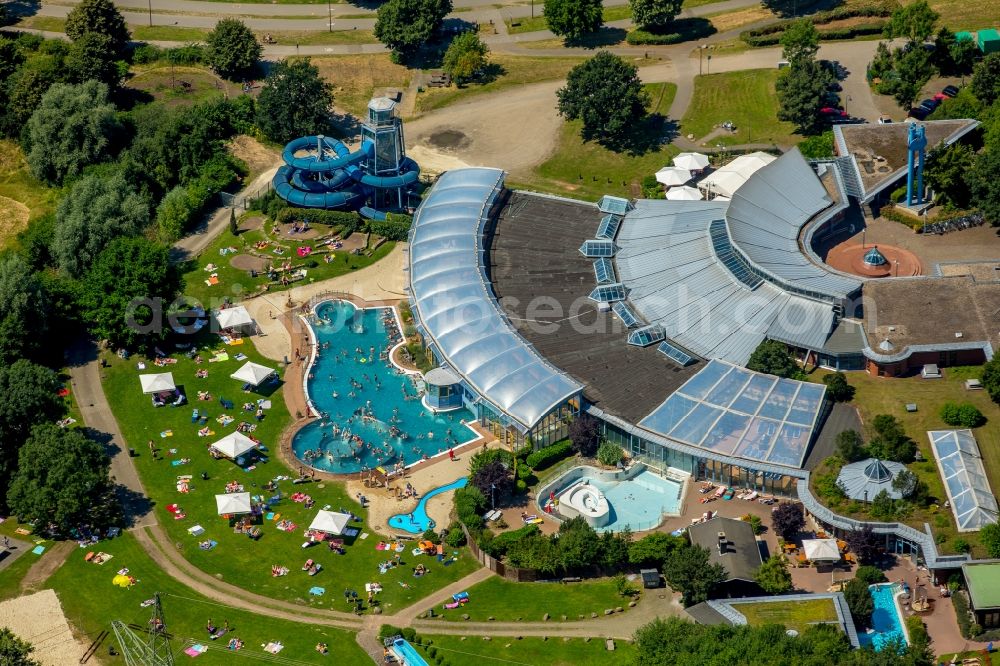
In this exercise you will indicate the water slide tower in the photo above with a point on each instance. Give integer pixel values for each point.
(916, 148)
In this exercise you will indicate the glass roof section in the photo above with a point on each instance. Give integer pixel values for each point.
(961, 467)
(675, 354)
(455, 308)
(609, 226)
(647, 335)
(614, 205)
(608, 293)
(733, 411)
(625, 313)
(604, 271)
(598, 248)
(727, 255)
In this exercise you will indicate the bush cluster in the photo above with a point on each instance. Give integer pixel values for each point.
(963, 414)
(395, 227)
(502, 542)
(677, 31)
(550, 455)
(770, 35)
(346, 220)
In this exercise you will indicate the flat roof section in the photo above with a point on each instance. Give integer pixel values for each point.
(542, 282)
(740, 554)
(984, 584)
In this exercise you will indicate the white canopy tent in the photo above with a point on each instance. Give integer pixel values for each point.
(821, 550)
(233, 317)
(330, 522)
(684, 193)
(671, 176)
(728, 179)
(234, 445)
(691, 161)
(163, 381)
(253, 373)
(233, 503)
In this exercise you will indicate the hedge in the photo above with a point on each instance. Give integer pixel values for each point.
(681, 30)
(546, 457)
(346, 220)
(395, 227)
(770, 35)
(502, 542)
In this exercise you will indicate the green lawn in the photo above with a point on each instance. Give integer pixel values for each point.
(233, 282)
(507, 601)
(746, 98)
(168, 33)
(879, 395)
(47, 23)
(796, 615)
(534, 24)
(30, 197)
(92, 602)
(459, 651)
(589, 170)
(236, 559)
(181, 85)
(959, 15)
(323, 37)
(512, 71)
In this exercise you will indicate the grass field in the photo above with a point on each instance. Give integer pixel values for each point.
(459, 651)
(589, 170)
(959, 15)
(168, 33)
(534, 24)
(91, 603)
(746, 98)
(233, 282)
(180, 85)
(724, 21)
(513, 71)
(875, 395)
(237, 559)
(508, 602)
(797, 615)
(22, 196)
(356, 77)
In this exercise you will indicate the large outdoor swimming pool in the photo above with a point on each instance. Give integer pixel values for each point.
(886, 624)
(371, 411)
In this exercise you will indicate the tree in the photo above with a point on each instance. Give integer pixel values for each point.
(869, 575)
(837, 388)
(773, 575)
(93, 57)
(613, 549)
(984, 187)
(28, 395)
(234, 225)
(483, 458)
(537, 552)
(233, 50)
(466, 55)
(23, 311)
(946, 171)
(101, 17)
(800, 90)
(864, 543)
(800, 42)
(859, 601)
(654, 14)
(890, 441)
(494, 480)
(61, 476)
(985, 83)
(610, 454)
(689, 571)
(578, 545)
(406, 25)
(95, 211)
(14, 651)
(964, 54)
(10, 58)
(818, 146)
(126, 272)
(773, 358)
(24, 91)
(850, 446)
(915, 22)
(882, 506)
(653, 549)
(909, 485)
(294, 101)
(585, 434)
(787, 520)
(70, 129)
(881, 64)
(572, 19)
(989, 537)
(911, 70)
(605, 93)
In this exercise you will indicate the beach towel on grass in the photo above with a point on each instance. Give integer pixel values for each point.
(317, 591)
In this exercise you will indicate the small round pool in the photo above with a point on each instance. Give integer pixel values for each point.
(370, 410)
(418, 521)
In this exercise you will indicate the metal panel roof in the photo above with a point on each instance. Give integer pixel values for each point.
(766, 215)
(458, 310)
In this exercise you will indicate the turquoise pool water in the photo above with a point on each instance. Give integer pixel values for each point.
(886, 624)
(637, 503)
(371, 412)
(407, 653)
(418, 521)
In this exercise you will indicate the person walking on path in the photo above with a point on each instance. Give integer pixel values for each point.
(451, 454)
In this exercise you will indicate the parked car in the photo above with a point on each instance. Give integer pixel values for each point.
(930, 105)
(939, 97)
(831, 111)
(884, 120)
(918, 112)
(950, 91)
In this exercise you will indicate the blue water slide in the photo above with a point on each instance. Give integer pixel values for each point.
(313, 162)
(410, 174)
(346, 198)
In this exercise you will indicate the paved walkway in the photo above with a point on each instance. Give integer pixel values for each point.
(14, 552)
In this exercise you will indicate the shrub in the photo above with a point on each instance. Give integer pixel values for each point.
(432, 536)
(501, 543)
(870, 575)
(837, 388)
(962, 546)
(388, 630)
(520, 486)
(395, 227)
(963, 414)
(966, 626)
(543, 458)
(770, 35)
(344, 219)
(677, 31)
(456, 537)
(610, 454)
(409, 634)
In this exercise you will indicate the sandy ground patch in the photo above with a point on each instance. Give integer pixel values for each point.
(13, 217)
(434, 162)
(257, 156)
(738, 19)
(38, 618)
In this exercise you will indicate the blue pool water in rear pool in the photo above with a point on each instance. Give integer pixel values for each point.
(418, 521)
(886, 624)
(371, 412)
(407, 653)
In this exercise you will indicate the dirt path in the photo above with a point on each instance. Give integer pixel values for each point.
(48, 564)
